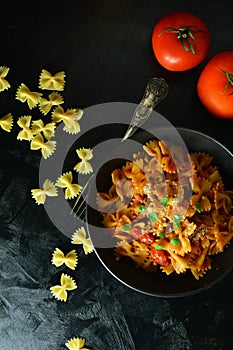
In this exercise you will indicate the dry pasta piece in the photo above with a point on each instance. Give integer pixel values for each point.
(47, 81)
(67, 284)
(70, 118)
(23, 94)
(70, 259)
(47, 148)
(45, 105)
(65, 181)
(79, 237)
(48, 130)
(6, 122)
(4, 84)
(48, 189)
(76, 344)
(84, 167)
(24, 123)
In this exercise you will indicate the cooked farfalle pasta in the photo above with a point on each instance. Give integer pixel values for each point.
(26, 132)
(65, 181)
(60, 291)
(84, 167)
(145, 211)
(48, 189)
(76, 344)
(6, 122)
(4, 84)
(38, 127)
(47, 81)
(80, 237)
(70, 259)
(70, 118)
(47, 147)
(45, 105)
(23, 94)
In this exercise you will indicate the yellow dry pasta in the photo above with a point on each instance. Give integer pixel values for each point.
(24, 94)
(24, 123)
(4, 84)
(45, 105)
(65, 181)
(6, 122)
(60, 291)
(84, 167)
(47, 148)
(48, 189)
(48, 130)
(76, 344)
(70, 118)
(80, 237)
(47, 81)
(70, 259)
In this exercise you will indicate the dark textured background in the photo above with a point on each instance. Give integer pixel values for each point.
(105, 49)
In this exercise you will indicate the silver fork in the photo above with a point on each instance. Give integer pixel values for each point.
(156, 90)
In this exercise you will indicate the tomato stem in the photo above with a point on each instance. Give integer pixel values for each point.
(229, 80)
(185, 36)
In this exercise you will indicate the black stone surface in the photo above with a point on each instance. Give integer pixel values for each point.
(105, 49)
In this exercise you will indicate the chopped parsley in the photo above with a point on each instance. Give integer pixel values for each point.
(175, 241)
(158, 247)
(126, 227)
(161, 234)
(153, 217)
(198, 207)
(142, 208)
(164, 201)
(177, 219)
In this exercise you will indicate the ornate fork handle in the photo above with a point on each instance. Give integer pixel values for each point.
(156, 90)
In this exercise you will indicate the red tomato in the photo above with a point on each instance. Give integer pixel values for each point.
(147, 238)
(159, 256)
(180, 41)
(215, 85)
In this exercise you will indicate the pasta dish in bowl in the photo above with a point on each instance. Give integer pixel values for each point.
(166, 215)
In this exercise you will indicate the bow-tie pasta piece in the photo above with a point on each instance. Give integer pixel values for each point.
(25, 123)
(79, 237)
(45, 105)
(76, 344)
(6, 122)
(48, 130)
(65, 181)
(60, 291)
(23, 94)
(70, 259)
(4, 84)
(48, 189)
(70, 118)
(47, 81)
(47, 148)
(84, 167)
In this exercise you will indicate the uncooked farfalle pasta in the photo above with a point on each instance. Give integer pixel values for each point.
(66, 181)
(60, 291)
(24, 94)
(80, 237)
(70, 118)
(70, 259)
(84, 166)
(6, 122)
(47, 81)
(48, 189)
(76, 344)
(151, 228)
(4, 84)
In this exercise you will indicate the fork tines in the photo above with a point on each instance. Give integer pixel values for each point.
(80, 203)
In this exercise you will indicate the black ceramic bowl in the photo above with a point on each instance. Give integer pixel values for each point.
(158, 283)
